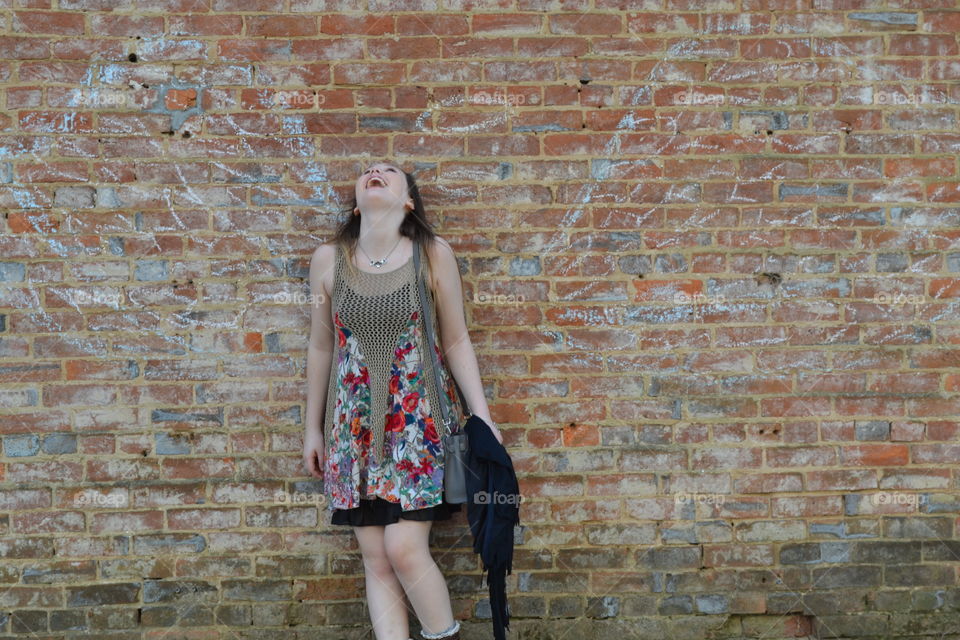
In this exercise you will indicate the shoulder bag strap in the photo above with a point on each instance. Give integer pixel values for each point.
(428, 329)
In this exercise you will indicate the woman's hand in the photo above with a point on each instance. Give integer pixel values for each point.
(313, 452)
(493, 428)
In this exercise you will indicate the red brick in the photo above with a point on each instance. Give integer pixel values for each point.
(58, 23)
(281, 26)
(921, 44)
(48, 522)
(130, 26)
(595, 191)
(253, 50)
(205, 25)
(370, 24)
(584, 23)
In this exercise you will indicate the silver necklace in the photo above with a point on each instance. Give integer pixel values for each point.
(379, 263)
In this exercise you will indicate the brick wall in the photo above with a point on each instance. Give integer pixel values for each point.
(712, 259)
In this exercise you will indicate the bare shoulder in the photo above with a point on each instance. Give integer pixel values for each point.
(442, 259)
(441, 250)
(321, 265)
(325, 251)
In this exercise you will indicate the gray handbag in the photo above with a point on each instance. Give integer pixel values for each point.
(456, 445)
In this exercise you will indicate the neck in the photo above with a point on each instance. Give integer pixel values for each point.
(379, 233)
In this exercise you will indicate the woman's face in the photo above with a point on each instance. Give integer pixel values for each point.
(382, 186)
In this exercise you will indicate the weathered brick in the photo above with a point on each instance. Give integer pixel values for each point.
(915, 575)
(620, 534)
(670, 558)
(883, 552)
(804, 552)
(185, 591)
(74, 197)
(722, 357)
(60, 443)
(922, 624)
(762, 531)
(103, 594)
(917, 528)
(21, 445)
(850, 576)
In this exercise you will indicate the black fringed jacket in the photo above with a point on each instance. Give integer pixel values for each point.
(493, 509)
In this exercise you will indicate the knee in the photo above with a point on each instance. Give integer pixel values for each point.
(377, 564)
(405, 558)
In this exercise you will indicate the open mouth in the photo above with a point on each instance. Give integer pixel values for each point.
(375, 182)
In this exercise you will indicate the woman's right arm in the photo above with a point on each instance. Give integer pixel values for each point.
(319, 355)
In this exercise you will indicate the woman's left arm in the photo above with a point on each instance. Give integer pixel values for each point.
(454, 340)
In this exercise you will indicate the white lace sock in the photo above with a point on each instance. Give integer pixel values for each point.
(443, 634)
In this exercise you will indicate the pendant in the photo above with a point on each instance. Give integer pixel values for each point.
(378, 263)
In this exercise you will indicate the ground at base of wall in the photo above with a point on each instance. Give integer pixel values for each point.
(866, 626)
(792, 626)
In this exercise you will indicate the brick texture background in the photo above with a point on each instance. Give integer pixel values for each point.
(712, 259)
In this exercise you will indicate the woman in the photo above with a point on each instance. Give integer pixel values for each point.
(374, 423)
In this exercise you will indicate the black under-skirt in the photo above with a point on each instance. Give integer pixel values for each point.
(383, 512)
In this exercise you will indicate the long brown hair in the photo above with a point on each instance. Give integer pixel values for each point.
(414, 226)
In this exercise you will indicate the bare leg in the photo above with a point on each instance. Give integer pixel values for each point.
(408, 550)
(385, 598)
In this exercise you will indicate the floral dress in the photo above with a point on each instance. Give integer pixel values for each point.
(395, 453)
